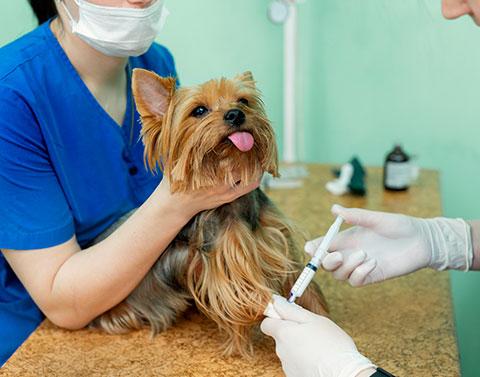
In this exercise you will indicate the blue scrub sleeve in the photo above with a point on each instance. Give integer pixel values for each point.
(33, 210)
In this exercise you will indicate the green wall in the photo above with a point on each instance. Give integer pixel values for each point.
(371, 73)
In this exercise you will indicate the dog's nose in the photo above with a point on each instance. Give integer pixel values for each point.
(234, 117)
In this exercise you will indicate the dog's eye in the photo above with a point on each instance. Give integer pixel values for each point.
(199, 111)
(244, 101)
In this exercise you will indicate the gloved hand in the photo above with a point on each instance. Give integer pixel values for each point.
(383, 245)
(310, 345)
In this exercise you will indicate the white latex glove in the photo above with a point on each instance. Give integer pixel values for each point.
(310, 345)
(383, 246)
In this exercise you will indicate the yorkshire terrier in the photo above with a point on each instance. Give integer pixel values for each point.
(226, 261)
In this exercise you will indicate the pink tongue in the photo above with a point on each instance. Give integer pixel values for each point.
(242, 140)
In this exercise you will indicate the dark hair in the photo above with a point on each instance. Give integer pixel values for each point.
(43, 9)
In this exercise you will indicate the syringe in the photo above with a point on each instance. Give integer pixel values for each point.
(309, 271)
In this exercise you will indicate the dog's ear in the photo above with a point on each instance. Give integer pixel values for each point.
(152, 93)
(246, 78)
(152, 96)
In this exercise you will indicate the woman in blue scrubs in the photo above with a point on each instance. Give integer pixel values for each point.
(71, 165)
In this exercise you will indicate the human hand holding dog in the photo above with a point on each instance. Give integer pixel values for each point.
(382, 246)
(310, 345)
(188, 204)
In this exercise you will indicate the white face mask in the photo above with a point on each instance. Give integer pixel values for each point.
(119, 32)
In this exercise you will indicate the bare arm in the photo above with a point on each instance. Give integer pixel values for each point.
(475, 226)
(72, 288)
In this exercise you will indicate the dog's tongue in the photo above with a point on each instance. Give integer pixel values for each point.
(242, 140)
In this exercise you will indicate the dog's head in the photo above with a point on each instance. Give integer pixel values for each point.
(205, 135)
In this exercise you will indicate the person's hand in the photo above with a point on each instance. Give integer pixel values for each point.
(383, 246)
(310, 345)
(188, 204)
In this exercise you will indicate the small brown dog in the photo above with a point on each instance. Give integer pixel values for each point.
(227, 261)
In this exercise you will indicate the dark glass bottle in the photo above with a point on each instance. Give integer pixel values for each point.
(397, 172)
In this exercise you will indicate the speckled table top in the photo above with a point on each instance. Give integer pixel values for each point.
(404, 325)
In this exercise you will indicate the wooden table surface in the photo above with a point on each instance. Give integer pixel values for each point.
(404, 325)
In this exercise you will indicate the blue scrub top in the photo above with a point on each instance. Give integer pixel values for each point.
(66, 167)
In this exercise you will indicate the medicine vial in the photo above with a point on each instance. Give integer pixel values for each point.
(397, 171)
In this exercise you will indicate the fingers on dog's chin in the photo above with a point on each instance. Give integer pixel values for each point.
(249, 186)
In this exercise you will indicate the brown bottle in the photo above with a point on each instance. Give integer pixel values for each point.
(397, 172)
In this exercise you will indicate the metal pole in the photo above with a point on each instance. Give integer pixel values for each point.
(289, 77)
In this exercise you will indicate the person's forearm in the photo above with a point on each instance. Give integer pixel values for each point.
(475, 226)
(95, 279)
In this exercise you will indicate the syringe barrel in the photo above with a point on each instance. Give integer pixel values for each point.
(304, 279)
